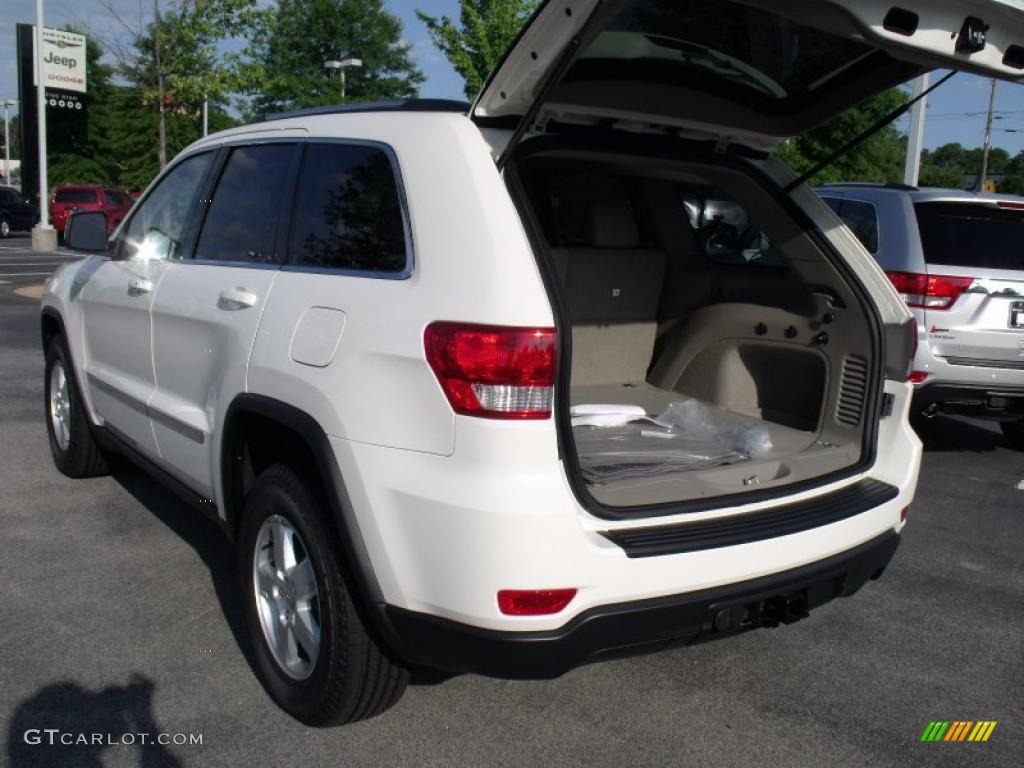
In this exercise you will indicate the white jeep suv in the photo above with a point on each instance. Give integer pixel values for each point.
(579, 370)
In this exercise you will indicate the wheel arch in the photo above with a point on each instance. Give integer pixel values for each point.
(293, 428)
(51, 325)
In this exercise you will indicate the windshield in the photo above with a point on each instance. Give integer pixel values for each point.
(971, 235)
(749, 47)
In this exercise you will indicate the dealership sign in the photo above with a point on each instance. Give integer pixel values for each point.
(64, 62)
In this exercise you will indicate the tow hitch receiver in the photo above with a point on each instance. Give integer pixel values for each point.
(771, 612)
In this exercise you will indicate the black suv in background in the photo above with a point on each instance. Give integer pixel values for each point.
(16, 214)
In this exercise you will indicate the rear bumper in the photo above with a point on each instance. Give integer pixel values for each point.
(984, 401)
(637, 627)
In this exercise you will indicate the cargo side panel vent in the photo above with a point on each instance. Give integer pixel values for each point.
(852, 391)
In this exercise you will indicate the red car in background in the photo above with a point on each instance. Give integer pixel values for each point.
(88, 197)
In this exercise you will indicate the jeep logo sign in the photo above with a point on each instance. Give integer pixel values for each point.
(63, 60)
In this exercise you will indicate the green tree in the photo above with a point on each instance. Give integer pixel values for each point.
(1013, 181)
(475, 44)
(174, 60)
(880, 158)
(953, 165)
(284, 62)
(130, 136)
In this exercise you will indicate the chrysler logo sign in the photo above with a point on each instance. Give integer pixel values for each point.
(63, 60)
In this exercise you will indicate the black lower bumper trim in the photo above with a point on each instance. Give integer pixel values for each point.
(970, 400)
(630, 628)
(754, 526)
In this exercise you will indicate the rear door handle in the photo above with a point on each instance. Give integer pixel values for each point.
(140, 285)
(238, 298)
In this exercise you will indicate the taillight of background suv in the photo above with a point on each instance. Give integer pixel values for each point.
(929, 291)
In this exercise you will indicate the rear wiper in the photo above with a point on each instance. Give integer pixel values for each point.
(866, 134)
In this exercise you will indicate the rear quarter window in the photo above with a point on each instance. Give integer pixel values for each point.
(348, 211)
(725, 232)
(76, 196)
(862, 219)
(971, 235)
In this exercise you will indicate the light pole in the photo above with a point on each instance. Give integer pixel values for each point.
(915, 139)
(341, 66)
(988, 138)
(7, 104)
(44, 237)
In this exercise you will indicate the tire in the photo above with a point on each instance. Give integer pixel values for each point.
(1014, 432)
(74, 449)
(5, 228)
(345, 676)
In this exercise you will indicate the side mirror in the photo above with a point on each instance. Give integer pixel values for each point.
(86, 231)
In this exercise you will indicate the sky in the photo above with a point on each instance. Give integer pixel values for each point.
(956, 111)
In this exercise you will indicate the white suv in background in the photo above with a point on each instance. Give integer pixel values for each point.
(957, 258)
(581, 371)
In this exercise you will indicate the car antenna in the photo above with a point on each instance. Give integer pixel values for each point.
(860, 138)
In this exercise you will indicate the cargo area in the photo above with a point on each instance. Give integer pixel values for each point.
(715, 347)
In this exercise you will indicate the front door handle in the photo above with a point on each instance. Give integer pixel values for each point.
(238, 298)
(140, 286)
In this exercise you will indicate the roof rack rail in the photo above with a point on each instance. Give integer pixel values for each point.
(396, 105)
(876, 184)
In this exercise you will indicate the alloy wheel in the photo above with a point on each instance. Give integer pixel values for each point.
(287, 597)
(60, 406)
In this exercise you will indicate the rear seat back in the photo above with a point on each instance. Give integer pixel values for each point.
(612, 287)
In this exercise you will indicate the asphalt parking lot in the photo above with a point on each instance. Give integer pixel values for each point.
(120, 617)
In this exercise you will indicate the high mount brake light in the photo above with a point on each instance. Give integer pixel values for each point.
(929, 291)
(494, 372)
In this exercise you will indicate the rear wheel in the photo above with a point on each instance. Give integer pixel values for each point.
(1014, 432)
(5, 228)
(74, 450)
(312, 650)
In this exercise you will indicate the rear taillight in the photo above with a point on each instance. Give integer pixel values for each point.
(494, 372)
(929, 291)
(534, 602)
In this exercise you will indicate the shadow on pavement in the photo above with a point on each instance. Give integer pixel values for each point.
(217, 553)
(87, 725)
(945, 434)
(203, 535)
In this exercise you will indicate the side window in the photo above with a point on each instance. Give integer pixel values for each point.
(725, 232)
(159, 225)
(241, 223)
(835, 203)
(348, 213)
(862, 218)
(114, 198)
